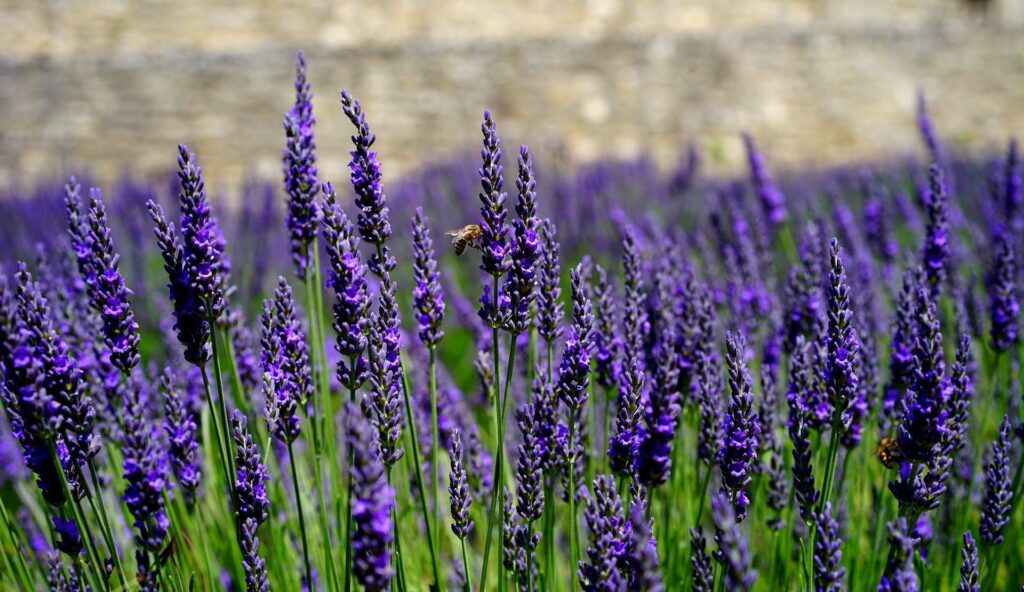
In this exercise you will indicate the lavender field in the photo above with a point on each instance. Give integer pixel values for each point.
(502, 373)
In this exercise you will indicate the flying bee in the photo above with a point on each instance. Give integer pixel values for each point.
(467, 236)
(888, 452)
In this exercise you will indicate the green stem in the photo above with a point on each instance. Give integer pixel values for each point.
(101, 514)
(79, 517)
(435, 465)
(399, 559)
(571, 474)
(22, 568)
(225, 422)
(496, 493)
(218, 435)
(418, 474)
(466, 568)
(302, 520)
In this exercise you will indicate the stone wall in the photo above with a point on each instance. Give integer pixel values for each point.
(115, 84)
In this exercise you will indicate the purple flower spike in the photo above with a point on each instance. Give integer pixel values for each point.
(574, 370)
(351, 301)
(644, 569)
(458, 490)
(1004, 307)
(300, 174)
(373, 502)
(773, 202)
(995, 510)
(733, 549)
(180, 426)
(828, 552)
(607, 524)
(251, 480)
(803, 473)
(428, 296)
(740, 430)
(109, 293)
(924, 414)
(493, 247)
(969, 565)
(936, 246)
(607, 342)
(842, 346)
(203, 248)
(549, 291)
(703, 571)
(190, 323)
(373, 223)
(901, 575)
(145, 470)
(624, 445)
(525, 249)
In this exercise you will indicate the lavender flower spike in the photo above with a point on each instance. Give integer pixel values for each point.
(995, 510)
(428, 296)
(624, 445)
(203, 251)
(145, 471)
(644, 573)
(190, 324)
(109, 293)
(373, 223)
(828, 552)
(549, 291)
(525, 248)
(529, 481)
(773, 202)
(936, 246)
(604, 517)
(253, 503)
(574, 370)
(741, 431)
(300, 174)
(969, 565)
(351, 301)
(494, 258)
(1004, 307)
(458, 490)
(373, 502)
(901, 575)
(703, 571)
(181, 430)
(842, 346)
(732, 546)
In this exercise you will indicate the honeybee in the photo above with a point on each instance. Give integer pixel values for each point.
(467, 236)
(888, 452)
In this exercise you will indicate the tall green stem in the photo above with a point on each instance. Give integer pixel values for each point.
(302, 520)
(571, 474)
(435, 465)
(218, 435)
(496, 493)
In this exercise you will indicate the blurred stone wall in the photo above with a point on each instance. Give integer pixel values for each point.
(109, 85)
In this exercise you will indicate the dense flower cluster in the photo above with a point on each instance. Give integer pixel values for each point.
(649, 447)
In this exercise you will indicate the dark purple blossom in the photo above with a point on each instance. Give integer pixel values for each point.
(549, 291)
(924, 408)
(529, 467)
(493, 244)
(661, 418)
(201, 238)
(383, 407)
(190, 323)
(607, 524)
(373, 502)
(624, 444)
(351, 302)
(900, 575)
(525, 249)
(1004, 308)
(842, 347)
(251, 479)
(733, 548)
(642, 552)
(773, 202)
(145, 470)
(428, 296)
(969, 565)
(109, 293)
(180, 426)
(574, 370)
(740, 431)
(703, 571)
(300, 174)
(936, 251)
(607, 342)
(828, 552)
(634, 317)
(458, 490)
(804, 487)
(995, 509)
(373, 223)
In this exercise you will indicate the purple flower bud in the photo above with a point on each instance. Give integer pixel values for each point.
(428, 296)
(202, 241)
(524, 249)
(607, 524)
(493, 246)
(733, 549)
(828, 552)
(773, 202)
(549, 291)
(1004, 308)
(145, 470)
(373, 223)
(458, 490)
(969, 565)
(300, 174)
(251, 480)
(740, 430)
(901, 576)
(995, 510)
(180, 426)
(936, 251)
(373, 502)
(703, 572)
(624, 445)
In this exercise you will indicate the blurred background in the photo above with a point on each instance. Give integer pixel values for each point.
(114, 85)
